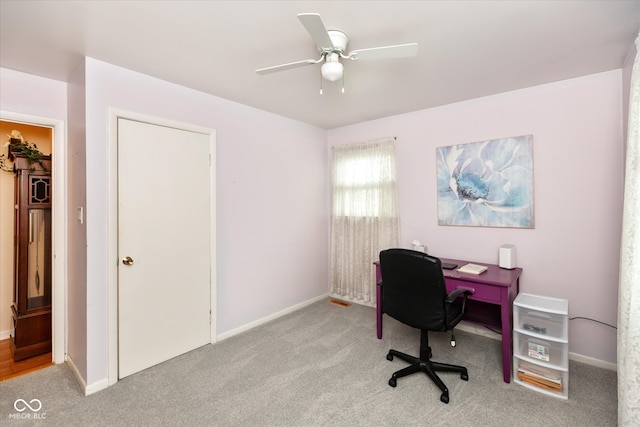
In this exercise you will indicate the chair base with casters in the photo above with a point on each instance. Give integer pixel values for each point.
(424, 364)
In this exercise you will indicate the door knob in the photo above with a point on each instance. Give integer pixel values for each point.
(127, 260)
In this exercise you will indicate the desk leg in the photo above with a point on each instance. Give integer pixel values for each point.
(378, 312)
(506, 340)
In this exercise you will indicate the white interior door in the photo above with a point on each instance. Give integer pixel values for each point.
(164, 220)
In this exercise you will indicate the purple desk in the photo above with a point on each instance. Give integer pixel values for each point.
(490, 304)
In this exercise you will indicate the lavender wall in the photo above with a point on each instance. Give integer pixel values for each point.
(272, 217)
(76, 232)
(573, 252)
(36, 96)
(272, 186)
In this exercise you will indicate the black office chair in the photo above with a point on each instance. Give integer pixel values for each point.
(414, 293)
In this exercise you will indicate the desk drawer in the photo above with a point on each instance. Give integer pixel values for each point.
(481, 291)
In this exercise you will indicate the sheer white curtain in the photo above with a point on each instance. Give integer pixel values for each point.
(364, 218)
(629, 290)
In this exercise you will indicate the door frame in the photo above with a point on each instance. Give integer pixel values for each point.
(114, 115)
(59, 229)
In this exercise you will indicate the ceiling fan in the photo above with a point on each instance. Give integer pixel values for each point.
(332, 45)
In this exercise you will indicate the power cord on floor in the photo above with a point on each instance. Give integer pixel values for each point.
(593, 320)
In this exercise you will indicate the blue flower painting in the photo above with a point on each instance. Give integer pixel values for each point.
(486, 184)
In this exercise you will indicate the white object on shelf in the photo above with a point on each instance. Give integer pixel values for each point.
(507, 257)
(417, 246)
(541, 344)
(473, 268)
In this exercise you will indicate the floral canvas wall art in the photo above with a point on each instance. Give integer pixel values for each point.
(486, 184)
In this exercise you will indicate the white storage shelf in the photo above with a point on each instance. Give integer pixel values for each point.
(541, 344)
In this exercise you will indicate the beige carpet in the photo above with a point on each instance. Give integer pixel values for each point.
(319, 366)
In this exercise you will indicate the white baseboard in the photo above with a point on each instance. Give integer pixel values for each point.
(76, 373)
(269, 318)
(4, 335)
(95, 387)
(480, 330)
(88, 389)
(593, 362)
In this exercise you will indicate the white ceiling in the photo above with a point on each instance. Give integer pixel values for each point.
(467, 49)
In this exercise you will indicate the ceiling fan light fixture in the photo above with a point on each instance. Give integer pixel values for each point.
(332, 71)
(332, 45)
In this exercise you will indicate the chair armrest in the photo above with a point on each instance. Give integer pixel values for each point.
(456, 293)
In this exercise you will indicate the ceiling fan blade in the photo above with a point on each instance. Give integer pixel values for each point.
(314, 25)
(396, 51)
(283, 67)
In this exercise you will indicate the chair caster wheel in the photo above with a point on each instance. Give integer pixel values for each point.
(393, 383)
(465, 377)
(444, 397)
(389, 356)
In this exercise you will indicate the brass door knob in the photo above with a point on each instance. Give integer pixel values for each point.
(127, 260)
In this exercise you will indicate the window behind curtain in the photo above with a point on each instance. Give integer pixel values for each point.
(364, 216)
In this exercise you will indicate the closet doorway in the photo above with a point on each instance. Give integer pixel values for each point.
(48, 136)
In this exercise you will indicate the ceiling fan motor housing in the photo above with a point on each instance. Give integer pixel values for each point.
(339, 39)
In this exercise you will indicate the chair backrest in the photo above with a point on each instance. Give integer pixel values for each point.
(413, 288)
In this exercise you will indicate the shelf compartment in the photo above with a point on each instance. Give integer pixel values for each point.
(558, 387)
(540, 323)
(545, 353)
